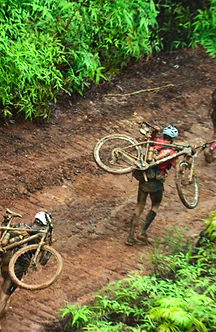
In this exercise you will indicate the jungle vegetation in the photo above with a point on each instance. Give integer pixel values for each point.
(50, 47)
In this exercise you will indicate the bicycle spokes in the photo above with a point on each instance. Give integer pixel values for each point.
(35, 271)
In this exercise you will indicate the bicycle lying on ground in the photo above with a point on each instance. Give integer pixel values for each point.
(34, 264)
(121, 154)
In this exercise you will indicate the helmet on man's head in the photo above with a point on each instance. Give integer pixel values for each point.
(171, 131)
(43, 218)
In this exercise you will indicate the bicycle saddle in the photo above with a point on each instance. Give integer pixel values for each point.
(13, 214)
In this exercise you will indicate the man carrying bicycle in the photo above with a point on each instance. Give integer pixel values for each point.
(8, 286)
(153, 185)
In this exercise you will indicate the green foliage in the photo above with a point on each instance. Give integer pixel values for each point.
(29, 77)
(204, 29)
(80, 314)
(175, 242)
(183, 301)
(47, 46)
(211, 226)
(50, 46)
(175, 23)
(178, 314)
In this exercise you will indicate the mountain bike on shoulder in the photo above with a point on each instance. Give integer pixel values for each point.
(121, 154)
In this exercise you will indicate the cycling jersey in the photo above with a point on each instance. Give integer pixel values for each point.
(160, 148)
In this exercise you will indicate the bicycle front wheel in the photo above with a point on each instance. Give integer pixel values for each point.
(188, 189)
(116, 153)
(34, 274)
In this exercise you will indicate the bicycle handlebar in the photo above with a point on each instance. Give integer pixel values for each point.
(205, 145)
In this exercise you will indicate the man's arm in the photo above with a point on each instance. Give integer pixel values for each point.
(155, 131)
(166, 153)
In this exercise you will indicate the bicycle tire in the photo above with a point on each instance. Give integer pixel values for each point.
(106, 165)
(192, 186)
(23, 257)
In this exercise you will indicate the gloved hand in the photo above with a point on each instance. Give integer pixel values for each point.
(156, 128)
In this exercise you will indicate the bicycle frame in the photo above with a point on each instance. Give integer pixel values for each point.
(28, 239)
(40, 233)
(141, 162)
(122, 154)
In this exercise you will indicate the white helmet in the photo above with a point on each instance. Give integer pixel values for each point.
(43, 218)
(171, 131)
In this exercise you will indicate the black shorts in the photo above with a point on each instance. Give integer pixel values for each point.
(154, 189)
(151, 186)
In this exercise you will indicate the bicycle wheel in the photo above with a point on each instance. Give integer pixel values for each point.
(26, 274)
(188, 191)
(107, 153)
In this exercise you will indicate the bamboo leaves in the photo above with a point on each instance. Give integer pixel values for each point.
(204, 28)
(49, 45)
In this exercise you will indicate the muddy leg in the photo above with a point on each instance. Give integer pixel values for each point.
(7, 287)
(209, 153)
(141, 201)
(156, 199)
(4, 296)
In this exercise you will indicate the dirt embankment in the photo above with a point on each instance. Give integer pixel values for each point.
(51, 167)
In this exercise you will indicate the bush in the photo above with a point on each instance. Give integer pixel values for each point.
(204, 29)
(47, 46)
(50, 46)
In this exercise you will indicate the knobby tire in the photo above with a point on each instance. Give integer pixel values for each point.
(31, 249)
(115, 169)
(190, 204)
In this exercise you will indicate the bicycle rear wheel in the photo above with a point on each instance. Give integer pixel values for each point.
(107, 153)
(188, 190)
(27, 274)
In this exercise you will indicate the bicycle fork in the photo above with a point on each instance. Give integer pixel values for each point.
(38, 250)
(192, 172)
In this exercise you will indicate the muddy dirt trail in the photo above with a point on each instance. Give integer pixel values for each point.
(50, 166)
